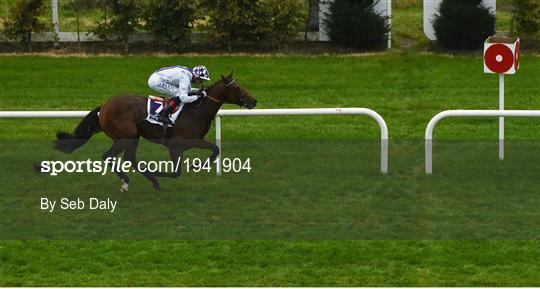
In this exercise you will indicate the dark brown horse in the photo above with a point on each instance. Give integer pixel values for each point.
(122, 118)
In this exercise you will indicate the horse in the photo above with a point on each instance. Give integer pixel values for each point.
(123, 119)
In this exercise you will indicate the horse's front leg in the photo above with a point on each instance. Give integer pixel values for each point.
(176, 158)
(206, 145)
(130, 155)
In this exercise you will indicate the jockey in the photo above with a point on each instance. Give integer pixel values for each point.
(176, 81)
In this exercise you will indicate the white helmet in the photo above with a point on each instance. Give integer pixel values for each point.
(201, 72)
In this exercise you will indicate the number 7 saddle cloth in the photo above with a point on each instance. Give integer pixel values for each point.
(156, 104)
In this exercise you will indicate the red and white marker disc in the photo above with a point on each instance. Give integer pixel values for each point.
(499, 58)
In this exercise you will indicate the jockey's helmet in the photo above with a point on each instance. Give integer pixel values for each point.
(201, 72)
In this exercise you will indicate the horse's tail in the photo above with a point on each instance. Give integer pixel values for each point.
(67, 142)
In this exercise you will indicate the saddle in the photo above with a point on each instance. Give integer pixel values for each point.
(155, 104)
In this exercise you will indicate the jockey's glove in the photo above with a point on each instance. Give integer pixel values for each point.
(202, 93)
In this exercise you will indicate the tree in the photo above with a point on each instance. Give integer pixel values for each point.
(356, 24)
(24, 21)
(463, 24)
(124, 20)
(254, 22)
(170, 21)
(77, 6)
(527, 16)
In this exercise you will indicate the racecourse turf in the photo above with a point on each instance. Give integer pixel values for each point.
(314, 210)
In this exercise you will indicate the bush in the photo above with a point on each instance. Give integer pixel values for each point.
(287, 18)
(125, 19)
(255, 22)
(171, 21)
(463, 24)
(527, 17)
(24, 21)
(355, 23)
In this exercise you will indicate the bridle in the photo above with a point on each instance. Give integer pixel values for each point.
(230, 83)
(226, 85)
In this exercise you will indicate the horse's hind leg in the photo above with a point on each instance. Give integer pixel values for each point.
(130, 155)
(117, 147)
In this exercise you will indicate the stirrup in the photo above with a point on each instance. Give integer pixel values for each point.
(167, 121)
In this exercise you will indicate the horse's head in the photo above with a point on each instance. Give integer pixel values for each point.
(232, 93)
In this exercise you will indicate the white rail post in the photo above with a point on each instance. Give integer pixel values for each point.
(384, 156)
(501, 119)
(429, 155)
(55, 21)
(218, 143)
(389, 8)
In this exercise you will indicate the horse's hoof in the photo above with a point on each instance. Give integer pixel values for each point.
(156, 186)
(37, 168)
(124, 188)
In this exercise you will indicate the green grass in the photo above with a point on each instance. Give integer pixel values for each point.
(407, 96)
(314, 179)
(297, 190)
(271, 263)
(407, 29)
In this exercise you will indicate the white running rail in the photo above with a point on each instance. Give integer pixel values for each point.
(465, 113)
(45, 114)
(309, 111)
(241, 113)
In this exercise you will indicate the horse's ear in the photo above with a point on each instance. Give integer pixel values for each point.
(222, 77)
(230, 75)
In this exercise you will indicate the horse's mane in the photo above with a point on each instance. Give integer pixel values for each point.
(212, 85)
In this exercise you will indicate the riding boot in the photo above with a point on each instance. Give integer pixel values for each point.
(163, 115)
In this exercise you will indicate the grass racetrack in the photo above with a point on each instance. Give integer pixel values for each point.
(314, 211)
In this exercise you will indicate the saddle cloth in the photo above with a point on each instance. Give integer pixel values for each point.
(156, 104)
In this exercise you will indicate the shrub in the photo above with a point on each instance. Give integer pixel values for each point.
(463, 24)
(287, 17)
(356, 24)
(124, 20)
(170, 21)
(255, 22)
(24, 21)
(527, 17)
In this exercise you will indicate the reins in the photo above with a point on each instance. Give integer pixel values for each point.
(214, 99)
(217, 100)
